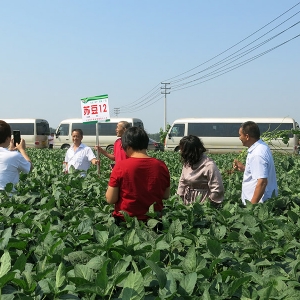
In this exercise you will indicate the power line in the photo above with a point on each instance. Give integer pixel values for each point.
(234, 44)
(241, 64)
(226, 58)
(237, 56)
(151, 97)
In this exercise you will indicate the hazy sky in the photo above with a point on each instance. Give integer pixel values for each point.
(53, 53)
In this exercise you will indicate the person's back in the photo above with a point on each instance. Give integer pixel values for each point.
(143, 182)
(139, 181)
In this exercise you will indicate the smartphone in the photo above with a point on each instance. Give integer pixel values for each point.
(112, 166)
(17, 137)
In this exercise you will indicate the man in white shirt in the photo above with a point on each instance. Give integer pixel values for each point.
(51, 140)
(12, 162)
(79, 155)
(259, 181)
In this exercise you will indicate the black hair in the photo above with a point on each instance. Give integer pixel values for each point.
(252, 129)
(136, 138)
(5, 131)
(78, 130)
(191, 150)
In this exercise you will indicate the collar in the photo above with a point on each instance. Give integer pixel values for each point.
(80, 146)
(250, 149)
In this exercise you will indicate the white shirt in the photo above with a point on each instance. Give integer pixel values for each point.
(81, 158)
(259, 164)
(11, 164)
(51, 140)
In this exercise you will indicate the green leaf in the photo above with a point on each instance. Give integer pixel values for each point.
(162, 245)
(214, 247)
(259, 238)
(170, 287)
(133, 287)
(189, 262)
(84, 272)
(160, 274)
(20, 263)
(102, 278)
(5, 238)
(130, 239)
(101, 237)
(6, 278)
(60, 276)
(9, 187)
(250, 221)
(5, 263)
(237, 283)
(175, 228)
(188, 283)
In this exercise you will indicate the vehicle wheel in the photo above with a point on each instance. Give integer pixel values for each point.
(65, 146)
(177, 149)
(110, 148)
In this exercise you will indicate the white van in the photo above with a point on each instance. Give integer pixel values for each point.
(106, 130)
(220, 135)
(35, 132)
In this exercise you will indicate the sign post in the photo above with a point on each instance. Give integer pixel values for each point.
(95, 109)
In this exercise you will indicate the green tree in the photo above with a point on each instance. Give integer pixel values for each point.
(163, 133)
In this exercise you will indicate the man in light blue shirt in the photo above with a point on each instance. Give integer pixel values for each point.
(259, 181)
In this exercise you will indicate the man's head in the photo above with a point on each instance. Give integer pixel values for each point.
(77, 136)
(122, 126)
(5, 132)
(249, 133)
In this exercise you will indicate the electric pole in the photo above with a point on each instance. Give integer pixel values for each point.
(165, 88)
(116, 111)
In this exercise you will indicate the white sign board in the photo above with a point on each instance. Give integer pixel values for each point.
(95, 109)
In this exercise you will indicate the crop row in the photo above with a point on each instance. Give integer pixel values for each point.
(59, 241)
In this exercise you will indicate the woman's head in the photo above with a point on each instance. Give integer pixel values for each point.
(136, 138)
(191, 149)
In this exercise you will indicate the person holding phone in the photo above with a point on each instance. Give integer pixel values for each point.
(12, 162)
(119, 153)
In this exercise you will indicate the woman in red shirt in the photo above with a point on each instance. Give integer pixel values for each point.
(139, 181)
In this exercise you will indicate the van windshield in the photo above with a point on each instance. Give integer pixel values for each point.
(42, 128)
(177, 130)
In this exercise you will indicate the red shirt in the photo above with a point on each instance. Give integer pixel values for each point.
(119, 152)
(141, 182)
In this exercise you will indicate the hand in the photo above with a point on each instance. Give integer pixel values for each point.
(237, 165)
(21, 146)
(98, 148)
(11, 146)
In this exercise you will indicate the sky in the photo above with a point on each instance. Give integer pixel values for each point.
(53, 53)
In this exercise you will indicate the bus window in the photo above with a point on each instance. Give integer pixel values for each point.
(107, 129)
(88, 129)
(25, 128)
(63, 130)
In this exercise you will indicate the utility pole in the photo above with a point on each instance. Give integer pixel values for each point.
(116, 111)
(165, 88)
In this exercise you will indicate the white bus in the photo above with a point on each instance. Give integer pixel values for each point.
(220, 135)
(106, 130)
(35, 132)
